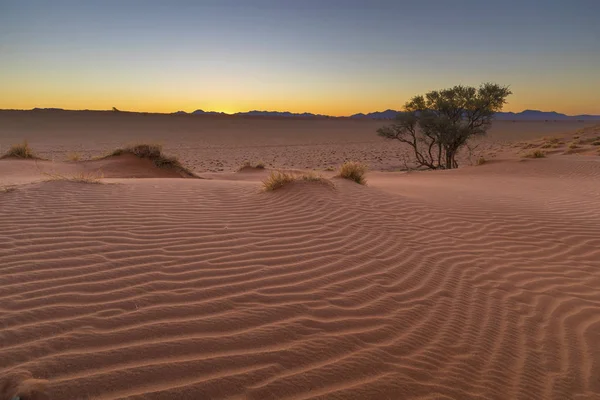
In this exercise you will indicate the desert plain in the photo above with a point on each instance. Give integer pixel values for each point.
(476, 283)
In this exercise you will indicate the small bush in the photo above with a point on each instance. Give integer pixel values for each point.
(249, 165)
(535, 154)
(596, 143)
(550, 146)
(78, 178)
(154, 153)
(7, 189)
(278, 179)
(354, 171)
(550, 139)
(20, 151)
(573, 145)
(481, 160)
(74, 157)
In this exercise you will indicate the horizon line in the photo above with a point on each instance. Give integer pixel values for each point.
(182, 112)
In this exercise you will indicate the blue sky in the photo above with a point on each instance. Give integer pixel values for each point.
(328, 56)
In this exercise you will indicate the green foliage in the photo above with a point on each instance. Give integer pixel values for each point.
(436, 125)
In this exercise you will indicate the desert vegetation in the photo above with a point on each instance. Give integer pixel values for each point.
(535, 154)
(74, 156)
(154, 153)
(354, 171)
(82, 177)
(21, 150)
(248, 165)
(441, 122)
(279, 179)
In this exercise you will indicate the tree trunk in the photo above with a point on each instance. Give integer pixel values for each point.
(449, 157)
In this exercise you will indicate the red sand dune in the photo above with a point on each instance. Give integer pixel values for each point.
(477, 283)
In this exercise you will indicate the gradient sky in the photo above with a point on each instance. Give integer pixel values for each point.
(324, 56)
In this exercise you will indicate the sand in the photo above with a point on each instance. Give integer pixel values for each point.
(476, 283)
(218, 144)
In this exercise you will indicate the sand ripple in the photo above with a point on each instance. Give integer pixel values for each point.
(206, 289)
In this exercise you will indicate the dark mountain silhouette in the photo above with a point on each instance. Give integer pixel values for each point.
(48, 109)
(387, 114)
(197, 112)
(526, 115)
(279, 114)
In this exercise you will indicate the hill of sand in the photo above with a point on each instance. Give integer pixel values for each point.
(481, 282)
(476, 283)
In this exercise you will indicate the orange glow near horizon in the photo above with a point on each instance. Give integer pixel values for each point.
(293, 56)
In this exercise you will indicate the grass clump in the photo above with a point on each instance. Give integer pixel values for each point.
(550, 145)
(573, 145)
(7, 189)
(278, 179)
(20, 151)
(535, 154)
(154, 153)
(249, 165)
(74, 156)
(481, 160)
(354, 171)
(78, 178)
(596, 143)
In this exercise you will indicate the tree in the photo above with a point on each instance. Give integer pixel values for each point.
(437, 125)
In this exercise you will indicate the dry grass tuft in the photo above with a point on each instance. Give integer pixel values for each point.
(249, 165)
(573, 145)
(74, 156)
(535, 154)
(481, 160)
(20, 151)
(78, 178)
(550, 145)
(278, 179)
(154, 153)
(7, 189)
(354, 171)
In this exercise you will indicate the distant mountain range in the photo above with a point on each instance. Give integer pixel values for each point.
(259, 113)
(527, 115)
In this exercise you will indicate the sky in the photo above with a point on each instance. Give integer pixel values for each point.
(323, 56)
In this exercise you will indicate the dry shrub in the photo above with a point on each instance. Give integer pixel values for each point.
(354, 171)
(481, 160)
(249, 165)
(278, 179)
(20, 151)
(154, 153)
(82, 177)
(7, 189)
(535, 154)
(74, 156)
(550, 145)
